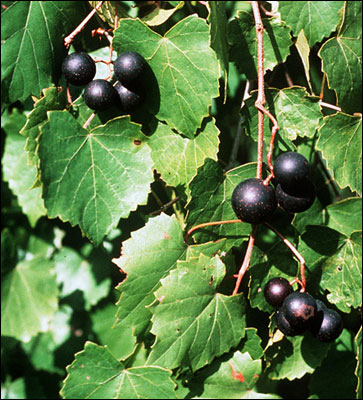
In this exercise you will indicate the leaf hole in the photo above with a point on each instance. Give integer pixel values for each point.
(137, 142)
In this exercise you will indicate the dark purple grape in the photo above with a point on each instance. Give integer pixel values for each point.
(298, 200)
(252, 201)
(129, 69)
(290, 169)
(99, 94)
(299, 309)
(276, 290)
(328, 325)
(79, 68)
(129, 100)
(285, 327)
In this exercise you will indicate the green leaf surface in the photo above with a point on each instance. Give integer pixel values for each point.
(18, 173)
(342, 59)
(345, 216)
(243, 43)
(96, 374)
(93, 178)
(335, 379)
(146, 257)
(52, 99)
(211, 192)
(344, 132)
(184, 66)
(338, 259)
(29, 299)
(303, 48)
(75, 273)
(32, 46)
(293, 357)
(160, 15)
(316, 18)
(192, 322)
(177, 159)
(232, 378)
(297, 113)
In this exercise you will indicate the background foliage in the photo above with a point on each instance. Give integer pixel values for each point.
(79, 320)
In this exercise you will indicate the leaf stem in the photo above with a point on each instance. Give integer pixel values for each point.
(293, 249)
(69, 39)
(203, 225)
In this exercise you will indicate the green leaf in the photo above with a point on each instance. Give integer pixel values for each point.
(96, 374)
(317, 19)
(93, 178)
(118, 339)
(75, 273)
(211, 192)
(229, 378)
(184, 65)
(192, 322)
(18, 173)
(302, 46)
(159, 15)
(297, 113)
(344, 132)
(52, 99)
(146, 257)
(28, 299)
(342, 59)
(345, 216)
(177, 159)
(243, 43)
(293, 357)
(32, 45)
(338, 259)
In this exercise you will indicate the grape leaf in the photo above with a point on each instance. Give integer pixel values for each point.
(93, 178)
(344, 132)
(302, 46)
(192, 322)
(293, 357)
(342, 59)
(32, 46)
(18, 173)
(229, 378)
(211, 192)
(52, 99)
(243, 43)
(185, 67)
(28, 299)
(316, 18)
(75, 273)
(146, 257)
(345, 216)
(96, 374)
(297, 113)
(177, 159)
(159, 15)
(339, 259)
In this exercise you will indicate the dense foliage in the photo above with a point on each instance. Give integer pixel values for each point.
(102, 294)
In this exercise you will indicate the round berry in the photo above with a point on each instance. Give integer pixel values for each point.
(285, 327)
(298, 200)
(99, 94)
(252, 201)
(328, 326)
(276, 290)
(299, 309)
(129, 68)
(291, 168)
(129, 100)
(79, 68)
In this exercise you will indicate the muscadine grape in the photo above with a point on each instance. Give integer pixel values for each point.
(290, 169)
(252, 201)
(79, 68)
(276, 290)
(298, 200)
(299, 309)
(129, 69)
(99, 94)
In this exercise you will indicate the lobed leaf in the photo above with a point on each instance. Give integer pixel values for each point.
(96, 374)
(185, 68)
(192, 322)
(93, 178)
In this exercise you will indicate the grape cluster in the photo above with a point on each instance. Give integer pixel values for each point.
(299, 312)
(128, 91)
(254, 202)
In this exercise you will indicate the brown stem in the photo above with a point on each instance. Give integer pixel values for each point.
(247, 259)
(89, 120)
(164, 207)
(327, 105)
(69, 39)
(260, 102)
(191, 230)
(297, 255)
(322, 88)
